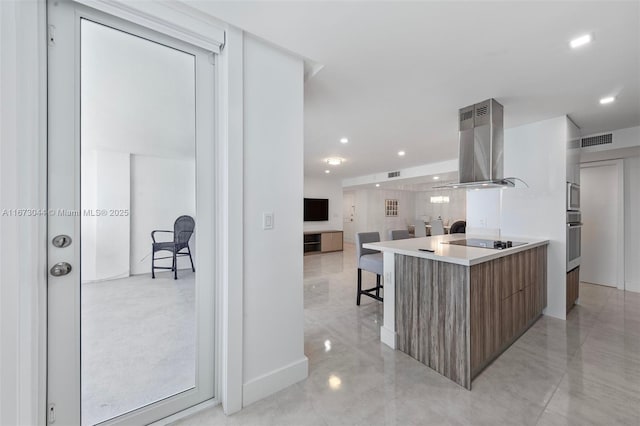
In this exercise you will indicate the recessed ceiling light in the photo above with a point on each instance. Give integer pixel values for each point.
(581, 41)
(607, 100)
(401, 153)
(334, 161)
(436, 177)
(485, 184)
(327, 171)
(344, 140)
(377, 185)
(455, 186)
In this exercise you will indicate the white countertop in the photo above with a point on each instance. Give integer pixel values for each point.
(461, 255)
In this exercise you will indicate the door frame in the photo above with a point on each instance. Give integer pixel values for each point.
(26, 120)
(619, 165)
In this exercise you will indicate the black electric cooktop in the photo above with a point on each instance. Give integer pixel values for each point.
(490, 244)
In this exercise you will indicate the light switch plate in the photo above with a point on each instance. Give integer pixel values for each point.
(267, 220)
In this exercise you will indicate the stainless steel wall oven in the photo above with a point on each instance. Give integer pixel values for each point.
(574, 236)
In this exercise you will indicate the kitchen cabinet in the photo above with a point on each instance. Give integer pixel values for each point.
(573, 287)
(513, 270)
(513, 316)
(331, 241)
(457, 318)
(322, 242)
(509, 295)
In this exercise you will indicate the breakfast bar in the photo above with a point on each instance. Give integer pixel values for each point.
(456, 308)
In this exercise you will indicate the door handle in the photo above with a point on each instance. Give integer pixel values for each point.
(60, 269)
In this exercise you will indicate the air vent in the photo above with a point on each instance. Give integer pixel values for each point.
(482, 110)
(597, 140)
(467, 115)
(393, 174)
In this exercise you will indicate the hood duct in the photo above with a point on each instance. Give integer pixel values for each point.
(481, 149)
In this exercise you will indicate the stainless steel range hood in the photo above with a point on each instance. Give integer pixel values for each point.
(481, 147)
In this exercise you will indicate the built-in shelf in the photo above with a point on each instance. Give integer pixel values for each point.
(322, 241)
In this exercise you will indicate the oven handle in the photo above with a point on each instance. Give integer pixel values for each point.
(574, 225)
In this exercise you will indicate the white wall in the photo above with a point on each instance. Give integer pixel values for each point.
(483, 211)
(455, 209)
(370, 213)
(631, 223)
(105, 239)
(150, 108)
(162, 189)
(325, 188)
(418, 171)
(273, 332)
(535, 153)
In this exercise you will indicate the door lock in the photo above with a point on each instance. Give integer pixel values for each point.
(61, 241)
(60, 269)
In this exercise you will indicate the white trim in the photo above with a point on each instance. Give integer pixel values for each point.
(23, 88)
(388, 334)
(174, 19)
(230, 212)
(186, 413)
(274, 381)
(388, 337)
(619, 164)
(632, 286)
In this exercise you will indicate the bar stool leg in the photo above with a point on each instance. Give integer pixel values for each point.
(359, 286)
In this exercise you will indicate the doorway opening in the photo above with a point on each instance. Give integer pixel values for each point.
(131, 146)
(601, 193)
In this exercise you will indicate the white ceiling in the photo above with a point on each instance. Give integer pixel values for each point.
(395, 73)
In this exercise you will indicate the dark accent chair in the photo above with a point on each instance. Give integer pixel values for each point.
(182, 231)
(458, 227)
(368, 260)
(399, 234)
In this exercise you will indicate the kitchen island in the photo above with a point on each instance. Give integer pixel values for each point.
(456, 308)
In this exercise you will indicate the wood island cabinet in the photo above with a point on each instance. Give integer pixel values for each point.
(457, 319)
(516, 297)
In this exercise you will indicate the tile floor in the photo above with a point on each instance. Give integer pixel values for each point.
(138, 342)
(585, 371)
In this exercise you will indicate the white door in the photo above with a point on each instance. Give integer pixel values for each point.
(131, 151)
(348, 214)
(599, 203)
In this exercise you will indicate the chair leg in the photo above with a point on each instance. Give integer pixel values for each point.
(175, 266)
(377, 285)
(191, 259)
(153, 264)
(359, 286)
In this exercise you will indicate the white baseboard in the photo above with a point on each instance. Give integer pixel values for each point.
(632, 286)
(388, 337)
(274, 381)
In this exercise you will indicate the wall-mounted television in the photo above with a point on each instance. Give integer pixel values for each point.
(316, 209)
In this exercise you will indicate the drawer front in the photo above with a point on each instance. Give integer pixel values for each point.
(513, 316)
